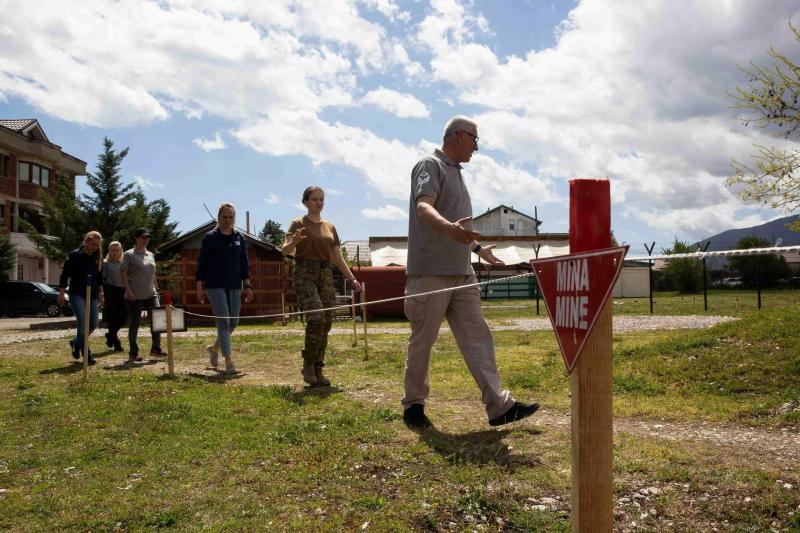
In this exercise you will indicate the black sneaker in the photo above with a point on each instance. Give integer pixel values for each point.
(158, 353)
(76, 353)
(414, 417)
(118, 346)
(518, 411)
(91, 360)
(109, 340)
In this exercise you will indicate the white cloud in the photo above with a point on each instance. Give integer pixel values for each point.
(272, 198)
(388, 8)
(386, 164)
(333, 192)
(147, 184)
(387, 212)
(400, 104)
(208, 145)
(632, 90)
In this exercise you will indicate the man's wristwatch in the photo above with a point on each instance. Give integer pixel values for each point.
(477, 248)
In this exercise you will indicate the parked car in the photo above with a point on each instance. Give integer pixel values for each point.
(30, 298)
(728, 282)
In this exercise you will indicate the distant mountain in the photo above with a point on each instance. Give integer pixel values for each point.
(771, 231)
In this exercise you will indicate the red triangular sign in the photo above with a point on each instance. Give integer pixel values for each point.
(574, 288)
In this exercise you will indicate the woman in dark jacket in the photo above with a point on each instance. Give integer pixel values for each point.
(83, 268)
(222, 273)
(115, 311)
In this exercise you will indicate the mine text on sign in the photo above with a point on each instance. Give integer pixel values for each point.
(575, 288)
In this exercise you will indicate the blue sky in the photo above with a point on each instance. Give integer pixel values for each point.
(250, 102)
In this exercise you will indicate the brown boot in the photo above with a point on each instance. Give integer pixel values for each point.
(309, 375)
(322, 381)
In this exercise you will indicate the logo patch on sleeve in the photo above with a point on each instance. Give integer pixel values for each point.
(422, 178)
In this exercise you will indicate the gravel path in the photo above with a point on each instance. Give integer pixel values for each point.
(622, 323)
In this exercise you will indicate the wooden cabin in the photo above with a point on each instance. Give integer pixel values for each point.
(269, 273)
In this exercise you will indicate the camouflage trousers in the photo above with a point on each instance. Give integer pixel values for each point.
(313, 283)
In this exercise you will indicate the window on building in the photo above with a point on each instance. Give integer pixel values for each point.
(511, 225)
(33, 173)
(20, 271)
(5, 165)
(505, 211)
(3, 213)
(24, 173)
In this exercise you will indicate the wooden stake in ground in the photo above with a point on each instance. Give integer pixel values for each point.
(364, 316)
(170, 358)
(87, 321)
(353, 312)
(592, 415)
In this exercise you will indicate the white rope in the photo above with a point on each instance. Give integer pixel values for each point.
(350, 306)
(719, 253)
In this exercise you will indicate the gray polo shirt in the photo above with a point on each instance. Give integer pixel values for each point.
(431, 252)
(112, 274)
(141, 268)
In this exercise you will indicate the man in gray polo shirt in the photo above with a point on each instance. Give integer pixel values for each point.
(440, 239)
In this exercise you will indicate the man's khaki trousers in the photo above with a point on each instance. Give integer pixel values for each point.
(462, 308)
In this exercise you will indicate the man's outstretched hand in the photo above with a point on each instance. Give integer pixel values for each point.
(459, 233)
(487, 255)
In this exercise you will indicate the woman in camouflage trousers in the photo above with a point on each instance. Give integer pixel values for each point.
(317, 249)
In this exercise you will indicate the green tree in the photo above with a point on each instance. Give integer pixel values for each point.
(113, 208)
(686, 274)
(66, 223)
(772, 100)
(272, 233)
(106, 206)
(8, 255)
(153, 215)
(769, 267)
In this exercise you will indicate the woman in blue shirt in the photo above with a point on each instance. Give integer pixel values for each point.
(222, 273)
(83, 268)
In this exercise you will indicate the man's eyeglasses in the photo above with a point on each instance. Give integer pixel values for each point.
(471, 135)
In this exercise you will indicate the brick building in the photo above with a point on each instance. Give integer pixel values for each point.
(29, 165)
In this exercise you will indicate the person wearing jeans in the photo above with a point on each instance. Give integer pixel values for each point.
(141, 292)
(222, 271)
(83, 267)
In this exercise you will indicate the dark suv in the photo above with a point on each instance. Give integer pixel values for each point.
(30, 298)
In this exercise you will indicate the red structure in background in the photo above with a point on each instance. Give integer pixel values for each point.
(383, 282)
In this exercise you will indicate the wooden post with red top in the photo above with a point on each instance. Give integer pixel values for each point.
(168, 310)
(592, 412)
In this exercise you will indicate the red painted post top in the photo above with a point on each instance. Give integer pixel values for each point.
(589, 215)
(167, 297)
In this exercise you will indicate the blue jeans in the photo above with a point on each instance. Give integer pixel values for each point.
(135, 308)
(225, 302)
(78, 304)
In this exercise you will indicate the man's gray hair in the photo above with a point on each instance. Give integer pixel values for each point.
(458, 123)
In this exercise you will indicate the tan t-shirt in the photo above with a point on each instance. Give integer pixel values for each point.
(321, 239)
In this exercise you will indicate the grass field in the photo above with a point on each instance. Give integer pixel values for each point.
(133, 450)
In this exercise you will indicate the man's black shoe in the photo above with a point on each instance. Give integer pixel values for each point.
(91, 360)
(118, 346)
(518, 411)
(76, 353)
(415, 418)
(109, 340)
